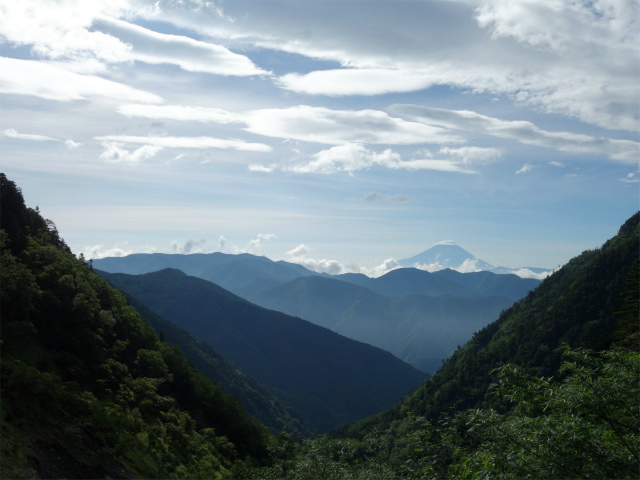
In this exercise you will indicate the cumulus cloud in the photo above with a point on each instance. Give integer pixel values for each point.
(624, 151)
(379, 270)
(221, 242)
(98, 251)
(335, 127)
(44, 80)
(353, 157)
(630, 178)
(189, 246)
(12, 133)
(255, 245)
(114, 153)
(526, 273)
(254, 167)
(71, 145)
(299, 255)
(467, 266)
(188, 142)
(181, 112)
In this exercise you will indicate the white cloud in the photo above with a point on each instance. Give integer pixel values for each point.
(190, 246)
(44, 80)
(526, 273)
(359, 81)
(192, 55)
(557, 164)
(335, 127)
(254, 167)
(630, 178)
(182, 113)
(379, 270)
(12, 133)
(624, 151)
(527, 167)
(189, 142)
(81, 31)
(299, 255)
(468, 266)
(429, 267)
(298, 251)
(255, 245)
(71, 145)
(221, 242)
(477, 155)
(352, 157)
(578, 59)
(61, 29)
(114, 153)
(97, 251)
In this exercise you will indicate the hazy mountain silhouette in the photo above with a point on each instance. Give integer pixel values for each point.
(329, 379)
(420, 329)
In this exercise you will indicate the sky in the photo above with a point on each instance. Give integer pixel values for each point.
(342, 135)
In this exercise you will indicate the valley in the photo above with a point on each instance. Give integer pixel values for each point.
(162, 373)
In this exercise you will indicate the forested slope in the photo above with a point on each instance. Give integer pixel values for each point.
(255, 397)
(88, 388)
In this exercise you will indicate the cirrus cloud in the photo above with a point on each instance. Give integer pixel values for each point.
(12, 133)
(45, 80)
(188, 142)
(334, 127)
(624, 151)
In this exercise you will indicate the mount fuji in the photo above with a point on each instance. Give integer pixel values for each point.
(448, 254)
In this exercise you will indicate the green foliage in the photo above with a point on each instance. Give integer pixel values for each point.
(583, 424)
(84, 376)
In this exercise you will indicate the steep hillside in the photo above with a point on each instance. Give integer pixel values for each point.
(88, 388)
(256, 398)
(581, 305)
(327, 378)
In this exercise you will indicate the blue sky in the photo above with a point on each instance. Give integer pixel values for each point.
(337, 134)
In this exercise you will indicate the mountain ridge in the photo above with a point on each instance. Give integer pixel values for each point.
(306, 365)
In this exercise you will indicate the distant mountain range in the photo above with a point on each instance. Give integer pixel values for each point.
(327, 378)
(591, 302)
(448, 254)
(419, 316)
